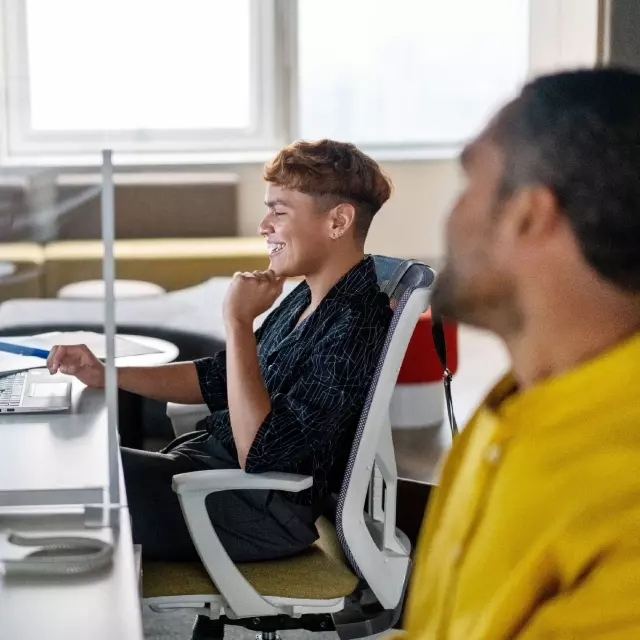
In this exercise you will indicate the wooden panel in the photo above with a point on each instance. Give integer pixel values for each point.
(155, 206)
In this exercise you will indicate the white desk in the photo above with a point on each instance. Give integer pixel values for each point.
(43, 457)
(54, 458)
(100, 606)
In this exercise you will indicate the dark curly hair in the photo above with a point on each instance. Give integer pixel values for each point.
(332, 172)
(578, 133)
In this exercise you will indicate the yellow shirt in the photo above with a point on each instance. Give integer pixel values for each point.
(534, 532)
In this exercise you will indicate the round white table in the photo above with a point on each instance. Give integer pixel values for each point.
(167, 352)
(94, 290)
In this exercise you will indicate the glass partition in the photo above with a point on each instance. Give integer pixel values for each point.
(58, 436)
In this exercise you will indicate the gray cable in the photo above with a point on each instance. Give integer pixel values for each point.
(59, 555)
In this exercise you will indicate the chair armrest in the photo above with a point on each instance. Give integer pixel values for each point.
(184, 417)
(235, 479)
(192, 489)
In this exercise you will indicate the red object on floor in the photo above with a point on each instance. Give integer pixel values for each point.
(421, 362)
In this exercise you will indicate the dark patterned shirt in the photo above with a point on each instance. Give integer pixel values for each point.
(317, 374)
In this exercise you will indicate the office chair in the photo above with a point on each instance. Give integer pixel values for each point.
(353, 579)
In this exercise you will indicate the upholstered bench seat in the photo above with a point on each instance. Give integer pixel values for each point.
(171, 263)
(22, 253)
(321, 572)
(25, 279)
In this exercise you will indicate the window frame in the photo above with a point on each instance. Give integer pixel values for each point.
(269, 122)
(276, 105)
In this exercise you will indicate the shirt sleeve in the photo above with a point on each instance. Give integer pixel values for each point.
(212, 376)
(328, 394)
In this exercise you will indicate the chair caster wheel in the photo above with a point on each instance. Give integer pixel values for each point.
(205, 628)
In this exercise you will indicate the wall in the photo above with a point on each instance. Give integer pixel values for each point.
(563, 34)
(621, 28)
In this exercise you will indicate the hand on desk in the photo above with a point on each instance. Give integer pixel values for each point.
(78, 361)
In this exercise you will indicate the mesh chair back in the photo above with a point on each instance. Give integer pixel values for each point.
(398, 279)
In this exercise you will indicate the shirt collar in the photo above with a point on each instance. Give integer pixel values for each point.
(609, 377)
(356, 282)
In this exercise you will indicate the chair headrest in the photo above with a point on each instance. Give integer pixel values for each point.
(396, 275)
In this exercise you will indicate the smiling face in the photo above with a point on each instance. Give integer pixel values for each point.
(299, 236)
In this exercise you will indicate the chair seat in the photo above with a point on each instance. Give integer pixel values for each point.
(320, 573)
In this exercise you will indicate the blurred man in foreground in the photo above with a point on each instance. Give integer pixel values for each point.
(535, 530)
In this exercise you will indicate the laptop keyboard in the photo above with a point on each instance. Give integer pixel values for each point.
(11, 389)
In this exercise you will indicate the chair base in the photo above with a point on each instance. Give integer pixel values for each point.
(268, 627)
(205, 628)
(360, 618)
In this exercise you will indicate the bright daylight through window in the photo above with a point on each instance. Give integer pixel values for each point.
(414, 72)
(138, 64)
(148, 76)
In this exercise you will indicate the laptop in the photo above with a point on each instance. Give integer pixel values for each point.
(34, 391)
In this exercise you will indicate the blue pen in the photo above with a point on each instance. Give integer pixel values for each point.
(23, 351)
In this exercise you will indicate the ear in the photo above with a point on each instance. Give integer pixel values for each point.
(533, 214)
(341, 218)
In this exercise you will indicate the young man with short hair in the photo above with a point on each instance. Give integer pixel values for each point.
(287, 397)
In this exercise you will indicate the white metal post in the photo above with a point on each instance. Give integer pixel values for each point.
(111, 383)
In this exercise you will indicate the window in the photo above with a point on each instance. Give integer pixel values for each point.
(139, 75)
(408, 72)
(130, 76)
(148, 76)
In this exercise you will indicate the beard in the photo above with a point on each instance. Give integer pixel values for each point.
(444, 298)
(486, 302)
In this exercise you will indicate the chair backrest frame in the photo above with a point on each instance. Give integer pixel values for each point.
(377, 551)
